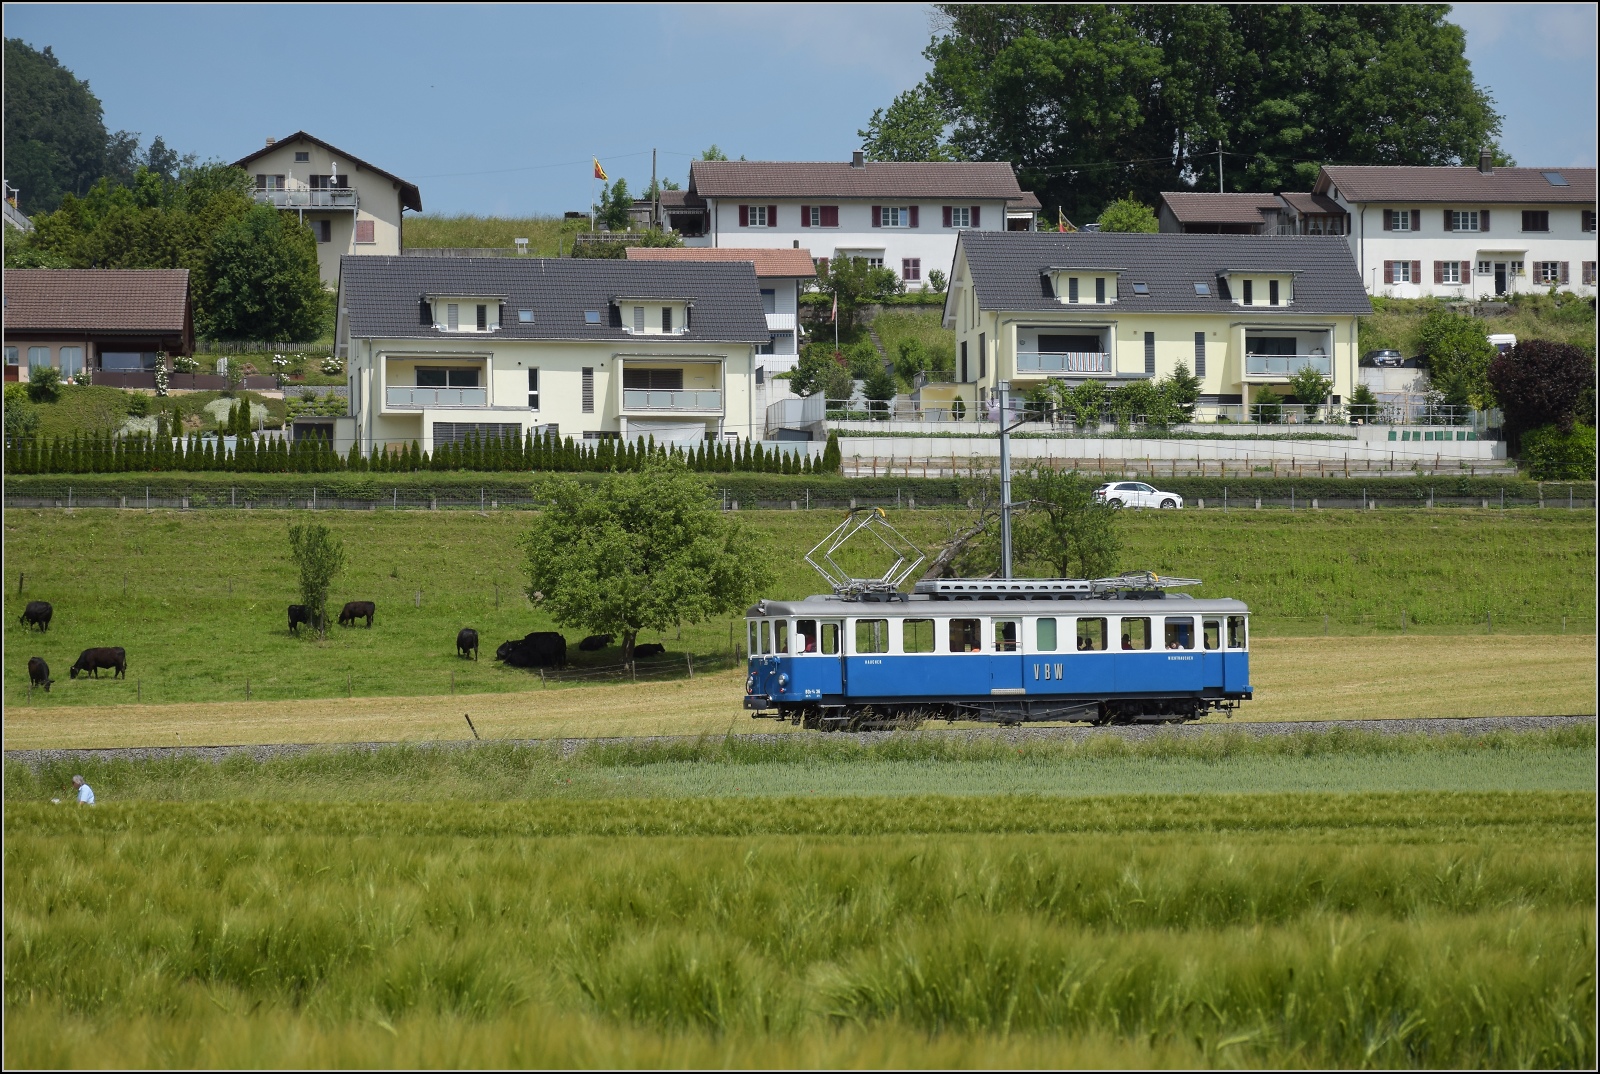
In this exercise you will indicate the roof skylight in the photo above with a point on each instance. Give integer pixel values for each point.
(1141, 289)
(591, 316)
(525, 316)
(1203, 289)
(1554, 178)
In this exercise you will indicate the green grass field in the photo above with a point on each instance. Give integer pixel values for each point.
(198, 599)
(408, 924)
(545, 234)
(1566, 318)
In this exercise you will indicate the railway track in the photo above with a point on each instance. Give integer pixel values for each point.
(1476, 725)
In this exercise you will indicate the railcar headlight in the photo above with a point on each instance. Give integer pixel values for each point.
(783, 683)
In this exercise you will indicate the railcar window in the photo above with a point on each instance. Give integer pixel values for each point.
(966, 636)
(1180, 633)
(830, 639)
(1136, 633)
(805, 636)
(754, 641)
(1091, 635)
(1237, 637)
(780, 636)
(1006, 633)
(916, 636)
(872, 635)
(1213, 634)
(1044, 636)
(766, 635)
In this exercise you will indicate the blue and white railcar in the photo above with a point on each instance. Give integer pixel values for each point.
(1012, 651)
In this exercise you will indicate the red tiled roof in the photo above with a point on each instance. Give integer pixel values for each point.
(97, 300)
(1200, 207)
(1029, 200)
(776, 262)
(1462, 184)
(877, 179)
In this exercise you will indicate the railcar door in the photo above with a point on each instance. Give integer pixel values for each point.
(818, 663)
(868, 671)
(1211, 653)
(1005, 660)
(1183, 673)
(1236, 657)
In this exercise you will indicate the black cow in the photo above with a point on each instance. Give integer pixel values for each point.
(541, 649)
(39, 673)
(467, 642)
(90, 661)
(357, 609)
(595, 642)
(648, 649)
(38, 613)
(299, 613)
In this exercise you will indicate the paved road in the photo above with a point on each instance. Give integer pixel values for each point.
(1468, 726)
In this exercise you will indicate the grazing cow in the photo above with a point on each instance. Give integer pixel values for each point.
(38, 613)
(648, 649)
(299, 613)
(467, 642)
(90, 661)
(541, 649)
(595, 642)
(39, 673)
(357, 609)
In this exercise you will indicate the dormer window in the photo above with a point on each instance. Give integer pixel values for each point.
(481, 314)
(1073, 286)
(653, 317)
(1257, 289)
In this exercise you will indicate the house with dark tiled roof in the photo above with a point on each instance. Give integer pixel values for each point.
(351, 206)
(780, 272)
(440, 349)
(1201, 212)
(1241, 312)
(1464, 232)
(903, 216)
(111, 323)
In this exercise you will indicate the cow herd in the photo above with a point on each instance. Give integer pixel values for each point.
(90, 662)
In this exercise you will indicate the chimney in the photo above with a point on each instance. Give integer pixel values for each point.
(271, 142)
(858, 159)
(1485, 161)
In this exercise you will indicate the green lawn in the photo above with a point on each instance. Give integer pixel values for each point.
(545, 234)
(1567, 318)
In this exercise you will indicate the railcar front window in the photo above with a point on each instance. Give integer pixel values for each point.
(872, 635)
(1006, 633)
(766, 636)
(753, 642)
(780, 636)
(1237, 635)
(1091, 635)
(916, 635)
(1044, 636)
(1136, 633)
(1213, 634)
(1180, 633)
(805, 631)
(965, 636)
(830, 639)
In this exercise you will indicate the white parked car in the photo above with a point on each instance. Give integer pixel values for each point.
(1136, 494)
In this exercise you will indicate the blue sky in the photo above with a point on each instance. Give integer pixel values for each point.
(497, 110)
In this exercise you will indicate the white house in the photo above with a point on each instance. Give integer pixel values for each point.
(354, 208)
(901, 216)
(440, 349)
(1461, 232)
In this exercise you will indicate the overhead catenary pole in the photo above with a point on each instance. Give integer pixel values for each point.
(655, 191)
(1003, 388)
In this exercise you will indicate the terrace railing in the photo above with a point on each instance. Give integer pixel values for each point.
(1286, 365)
(643, 399)
(441, 397)
(1063, 362)
(337, 198)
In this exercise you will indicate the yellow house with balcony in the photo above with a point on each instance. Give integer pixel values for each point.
(1241, 312)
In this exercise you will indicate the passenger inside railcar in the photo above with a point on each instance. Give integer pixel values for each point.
(1092, 635)
(1005, 635)
(1180, 633)
(807, 631)
(965, 636)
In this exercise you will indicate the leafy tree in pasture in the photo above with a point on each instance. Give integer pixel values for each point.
(1063, 529)
(639, 551)
(320, 556)
(1540, 383)
(912, 128)
(1458, 352)
(1311, 388)
(1129, 214)
(261, 280)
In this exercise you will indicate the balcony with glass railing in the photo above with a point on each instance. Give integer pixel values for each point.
(304, 197)
(1046, 362)
(701, 401)
(410, 397)
(1283, 366)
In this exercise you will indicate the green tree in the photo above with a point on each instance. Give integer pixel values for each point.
(1363, 404)
(854, 282)
(615, 205)
(1063, 529)
(261, 280)
(832, 457)
(44, 384)
(1129, 214)
(912, 128)
(1539, 383)
(1311, 389)
(714, 153)
(1182, 389)
(55, 139)
(1555, 454)
(639, 551)
(1087, 402)
(818, 370)
(1458, 352)
(880, 388)
(1267, 406)
(22, 418)
(937, 281)
(320, 556)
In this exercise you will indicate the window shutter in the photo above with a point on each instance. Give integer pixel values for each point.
(1483, 220)
(1565, 267)
(830, 216)
(1416, 271)
(744, 216)
(1150, 353)
(364, 231)
(805, 216)
(772, 216)
(1200, 354)
(914, 215)
(1438, 272)
(1388, 268)
(1388, 222)
(1416, 219)
(1449, 220)
(1466, 272)
(947, 216)
(877, 216)
(975, 213)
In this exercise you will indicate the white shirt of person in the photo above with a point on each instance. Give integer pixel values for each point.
(85, 795)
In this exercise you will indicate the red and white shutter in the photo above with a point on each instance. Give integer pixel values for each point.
(1466, 272)
(975, 216)
(1416, 219)
(744, 216)
(1416, 271)
(947, 216)
(914, 216)
(772, 216)
(830, 216)
(1449, 220)
(1388, 267)
(1483, 220)
(805, 216)
(1566, 267)
(877, 216)
(1438, 272)
(1388, 220)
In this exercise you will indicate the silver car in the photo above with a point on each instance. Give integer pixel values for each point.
(1136, 494)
